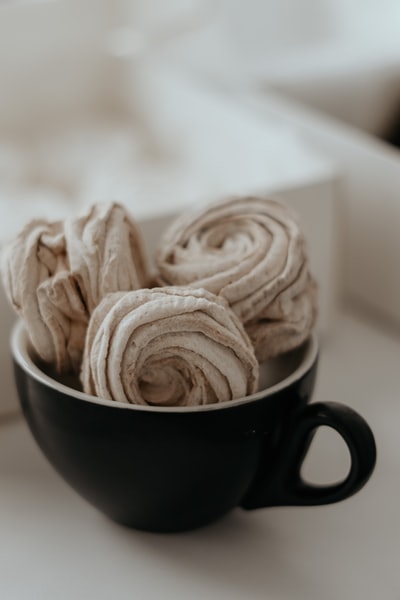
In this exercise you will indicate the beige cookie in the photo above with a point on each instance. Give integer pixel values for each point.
(168, 347)
(42, 291)
(55, 274)
(105, 252)
(272, 336)
(252, 252)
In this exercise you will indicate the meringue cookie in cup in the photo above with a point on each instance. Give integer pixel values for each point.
(55, 274)
(167, 347)
(41, 289)
(252, 252)
(105, 252)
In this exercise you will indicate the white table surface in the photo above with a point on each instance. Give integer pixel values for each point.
(55, 546)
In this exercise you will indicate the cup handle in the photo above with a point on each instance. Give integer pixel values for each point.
(284, 485)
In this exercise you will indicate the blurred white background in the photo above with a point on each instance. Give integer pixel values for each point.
(55, 54)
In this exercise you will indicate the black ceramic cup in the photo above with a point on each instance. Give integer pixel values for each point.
(173, 469)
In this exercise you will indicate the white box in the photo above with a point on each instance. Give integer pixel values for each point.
(367, 198)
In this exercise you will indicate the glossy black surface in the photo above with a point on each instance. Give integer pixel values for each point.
(170, 471)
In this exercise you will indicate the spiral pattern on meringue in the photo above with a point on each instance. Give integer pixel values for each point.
(167, 347)
(252, 252)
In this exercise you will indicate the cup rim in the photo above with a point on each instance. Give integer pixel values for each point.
(19, 349)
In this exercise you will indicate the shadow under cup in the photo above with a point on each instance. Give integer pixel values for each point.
(173, 469)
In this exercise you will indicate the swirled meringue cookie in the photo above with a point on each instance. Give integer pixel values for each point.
(55, 274)
(167, 347)
(288, 328)
(252, 252)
